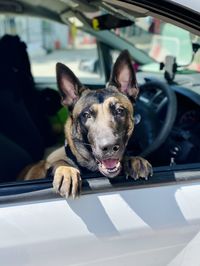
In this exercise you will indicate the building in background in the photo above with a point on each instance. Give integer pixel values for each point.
(41, 36)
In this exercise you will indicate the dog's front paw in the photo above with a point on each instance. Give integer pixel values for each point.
(137, 167)
(67, 181)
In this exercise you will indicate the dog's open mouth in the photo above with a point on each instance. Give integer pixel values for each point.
(109, 167)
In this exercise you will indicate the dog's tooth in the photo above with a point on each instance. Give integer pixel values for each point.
(118, 164)
(103, 166)
(112, 170)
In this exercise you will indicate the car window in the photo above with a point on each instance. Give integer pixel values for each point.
(38, 119)
(159, 39)
(30, 47)
(49, 42)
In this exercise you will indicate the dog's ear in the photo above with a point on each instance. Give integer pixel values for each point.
(69, 85)
(123, 76)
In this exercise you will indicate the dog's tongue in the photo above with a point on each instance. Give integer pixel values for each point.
(110, 163)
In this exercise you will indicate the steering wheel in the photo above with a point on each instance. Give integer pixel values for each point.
(157, 107)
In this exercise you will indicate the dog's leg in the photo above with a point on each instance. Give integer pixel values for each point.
(34, 171)
(67, 180)
(66, 176)
(137, 167)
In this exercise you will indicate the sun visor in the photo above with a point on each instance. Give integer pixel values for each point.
(10, 7)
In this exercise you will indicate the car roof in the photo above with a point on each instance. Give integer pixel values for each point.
(184, 13)
(191, 4)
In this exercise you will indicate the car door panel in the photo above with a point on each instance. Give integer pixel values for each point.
(147, 226)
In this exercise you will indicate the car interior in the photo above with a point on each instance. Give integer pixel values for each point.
(87, 38)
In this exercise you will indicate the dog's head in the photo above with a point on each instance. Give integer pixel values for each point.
(103, 118)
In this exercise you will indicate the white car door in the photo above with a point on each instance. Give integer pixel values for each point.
(137, 225)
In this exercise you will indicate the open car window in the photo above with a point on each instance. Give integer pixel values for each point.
(159, 39)
(39, 118)
(49, 42)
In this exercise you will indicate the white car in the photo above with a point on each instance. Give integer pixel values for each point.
(114, 222)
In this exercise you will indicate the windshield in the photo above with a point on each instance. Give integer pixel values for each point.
(159, 39)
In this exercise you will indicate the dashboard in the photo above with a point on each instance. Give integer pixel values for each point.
(182, 144)
(184, 138)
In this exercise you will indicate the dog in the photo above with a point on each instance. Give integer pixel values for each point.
(97, 132)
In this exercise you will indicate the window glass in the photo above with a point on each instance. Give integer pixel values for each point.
(159, 39)
(40, 110)
(50, 42)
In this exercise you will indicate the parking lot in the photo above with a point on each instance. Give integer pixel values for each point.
(43, 65)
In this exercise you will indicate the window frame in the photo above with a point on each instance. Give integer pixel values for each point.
(101, 184)
(163, 175)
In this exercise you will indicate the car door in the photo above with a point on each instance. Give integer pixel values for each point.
(125, 222)
(110, 224)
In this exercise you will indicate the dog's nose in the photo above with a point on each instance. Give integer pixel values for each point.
(109, 148)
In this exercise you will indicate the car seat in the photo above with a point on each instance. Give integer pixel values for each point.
(20, 116)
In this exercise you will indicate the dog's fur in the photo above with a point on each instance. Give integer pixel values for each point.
(97, 131)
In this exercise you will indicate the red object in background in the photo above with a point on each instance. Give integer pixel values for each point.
(155, 26)
(57, 44)
(136, 66)
(195, 66)
(88, 40)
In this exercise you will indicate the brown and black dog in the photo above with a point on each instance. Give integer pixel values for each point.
(97, 131)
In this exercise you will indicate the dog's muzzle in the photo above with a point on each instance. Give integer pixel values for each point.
(109, 167)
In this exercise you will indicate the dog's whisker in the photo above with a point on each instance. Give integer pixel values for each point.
(84, 143)
(121, 133)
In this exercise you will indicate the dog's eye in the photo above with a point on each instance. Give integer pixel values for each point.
(86, 115)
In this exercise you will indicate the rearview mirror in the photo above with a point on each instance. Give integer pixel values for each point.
(107, 22)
